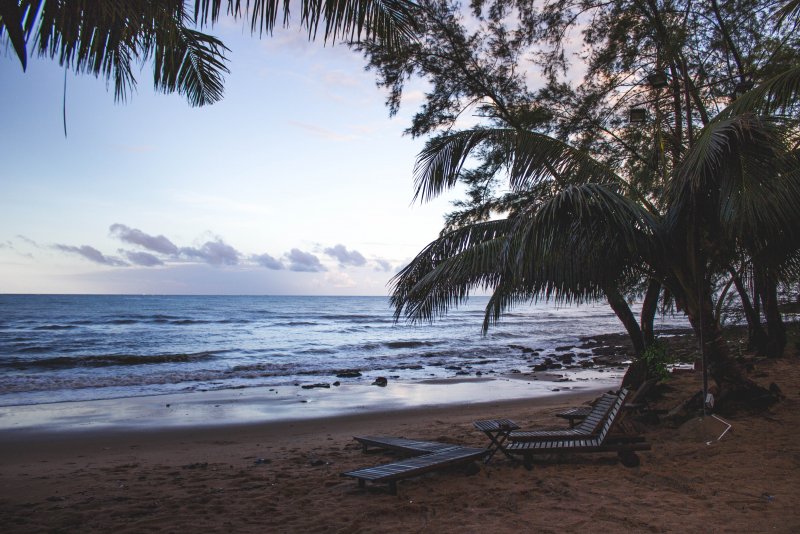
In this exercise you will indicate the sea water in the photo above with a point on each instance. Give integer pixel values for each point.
(83, 347)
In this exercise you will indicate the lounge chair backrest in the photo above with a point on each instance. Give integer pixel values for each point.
(614, 415)
(594, 421)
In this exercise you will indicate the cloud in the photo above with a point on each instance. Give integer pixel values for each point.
(145, 259)
(134, 236)
(91, 254)
(214, 253)
(345, 257)
(265, 260)
(28, 240)
(304, 262)
(382, 265)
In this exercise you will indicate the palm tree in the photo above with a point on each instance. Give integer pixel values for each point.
(106, 39)
(733, 197)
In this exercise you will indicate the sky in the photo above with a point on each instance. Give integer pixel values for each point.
(296, 183)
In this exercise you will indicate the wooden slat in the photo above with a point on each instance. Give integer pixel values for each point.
(410, 446)
(417, 465)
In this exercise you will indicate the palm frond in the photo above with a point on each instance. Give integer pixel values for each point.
(567, 248)
(431, 283)
(778, 95)
(790, 10)
(12, 17)
(530, 158)
(191, 64)
(105, 38)
(392, 21)
(740, 183)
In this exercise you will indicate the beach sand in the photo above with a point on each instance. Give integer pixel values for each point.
(284, 476)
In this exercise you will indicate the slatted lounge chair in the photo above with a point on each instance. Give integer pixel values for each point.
(408, 446)
(605, 441)
(638, 402)
(590, 426)
(393, 472)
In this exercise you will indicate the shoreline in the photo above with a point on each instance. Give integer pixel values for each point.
(265, 405)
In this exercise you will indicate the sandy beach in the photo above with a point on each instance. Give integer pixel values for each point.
(285, 476)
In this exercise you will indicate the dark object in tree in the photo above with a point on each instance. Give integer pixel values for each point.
(657, 80)
(637, 115)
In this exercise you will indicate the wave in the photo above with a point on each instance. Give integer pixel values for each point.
(55, 327)
(34, 350)
(410, 344)
(104, 360)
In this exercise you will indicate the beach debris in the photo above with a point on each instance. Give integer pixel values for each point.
(262, 461)
(380, 381)
(337, 383)
(168, 405)
(317, 462)
(318, 385)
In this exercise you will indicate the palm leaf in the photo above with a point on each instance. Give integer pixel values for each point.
(778, 95)
(740, 186)
(105, 38)
(442, 273)
(530, 159)
(791, 9)
(190, 63)
(567, 248)
(392, 21)
(11, 22)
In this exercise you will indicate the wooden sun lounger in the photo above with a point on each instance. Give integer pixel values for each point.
(589, 427)
(605, 441)
(408, 446)
(393, 472)
(500, 430)
(637, 402)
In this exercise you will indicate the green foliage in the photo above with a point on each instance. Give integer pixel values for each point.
(656, 358)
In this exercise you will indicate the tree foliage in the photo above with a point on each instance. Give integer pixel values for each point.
(669, 162)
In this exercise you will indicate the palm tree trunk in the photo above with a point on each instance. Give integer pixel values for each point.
(728, 374)
(756, 336)
(624, 314)
(637, 371)
(649, 308)
(776, 331)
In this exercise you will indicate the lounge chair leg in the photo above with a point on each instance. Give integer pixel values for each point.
(629, 458)
(393, 487)
(527, 461)
(362, 483)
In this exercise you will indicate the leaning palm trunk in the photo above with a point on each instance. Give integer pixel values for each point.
(756, 336)
(623, 312)
(776, 331)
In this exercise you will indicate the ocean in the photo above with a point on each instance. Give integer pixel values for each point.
(56, 348)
